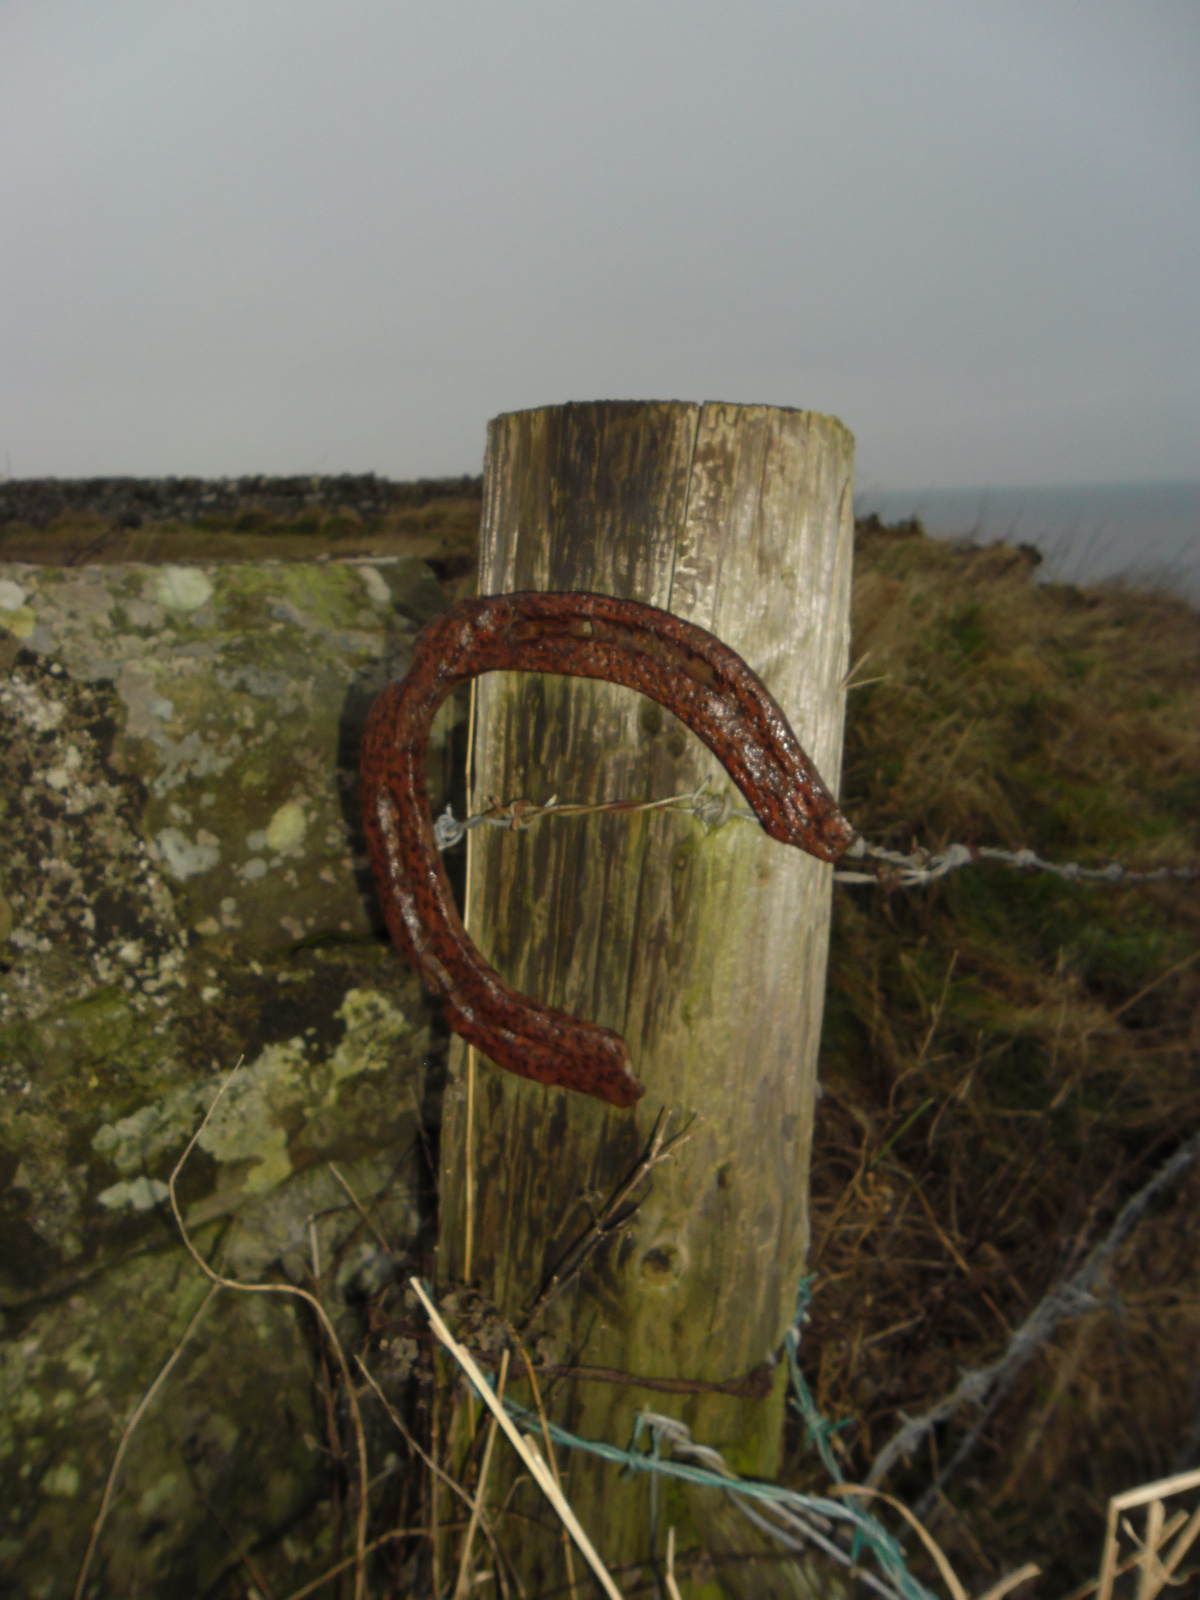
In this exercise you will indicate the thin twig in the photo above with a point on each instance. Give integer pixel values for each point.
(435, 1537)
(525, 1448)
(469, 1167)
(140, 1411)
(1153, 984)
(927, 1043)
(752, 1385)
(672, 1586)
(333, 1572)
(366, 1216)
(987, 1386)
(1155, 1572)
(572, 1263)
(550, 1456)
(336, 1452)
(436, 1471)
(463, 1586)
(258, 1583)
(322, 1317)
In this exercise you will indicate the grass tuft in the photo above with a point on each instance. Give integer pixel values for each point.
(1007, 1057)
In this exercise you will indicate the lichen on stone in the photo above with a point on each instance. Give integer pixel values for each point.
(182, 888)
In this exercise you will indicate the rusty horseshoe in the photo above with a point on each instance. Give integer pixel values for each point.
(707, 686)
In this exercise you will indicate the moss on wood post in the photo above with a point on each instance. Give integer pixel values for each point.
(706, 949)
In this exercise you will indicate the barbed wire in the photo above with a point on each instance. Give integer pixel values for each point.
(896, 869)
(794, 1519)
(797, 1521)
(923, 866)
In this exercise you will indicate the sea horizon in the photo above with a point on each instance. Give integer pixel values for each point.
(1144, 532)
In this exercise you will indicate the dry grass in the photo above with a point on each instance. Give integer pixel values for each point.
(445, 533)
(1154, 1554)
(1007, 1057)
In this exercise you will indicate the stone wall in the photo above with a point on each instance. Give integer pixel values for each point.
(182, 888)
(132, 502)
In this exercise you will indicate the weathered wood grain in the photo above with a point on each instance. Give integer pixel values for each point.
(705, 949)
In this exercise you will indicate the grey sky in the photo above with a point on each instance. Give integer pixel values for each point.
(338, 235)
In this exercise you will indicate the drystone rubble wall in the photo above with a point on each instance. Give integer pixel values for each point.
(182, 888)
(132, 502)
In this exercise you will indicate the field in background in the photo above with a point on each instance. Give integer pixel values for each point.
(72, 522)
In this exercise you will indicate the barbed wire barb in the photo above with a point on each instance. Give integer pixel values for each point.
(897, 870)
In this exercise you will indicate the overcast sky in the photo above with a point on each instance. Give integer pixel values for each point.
(339, 235)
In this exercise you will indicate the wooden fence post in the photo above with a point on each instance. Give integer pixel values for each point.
(706, 949)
